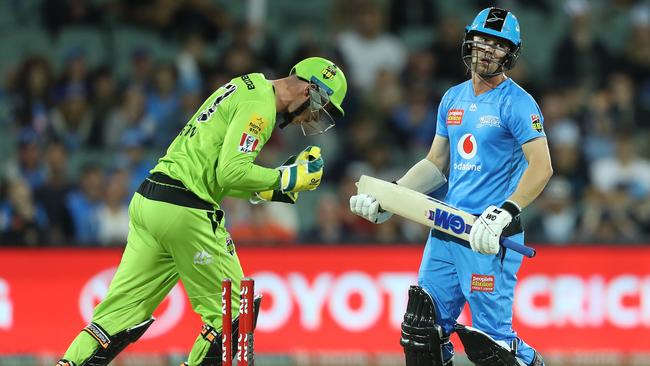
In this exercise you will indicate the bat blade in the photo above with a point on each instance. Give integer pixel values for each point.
(427, 211)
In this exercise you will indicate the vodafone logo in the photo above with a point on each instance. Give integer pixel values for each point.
(169, 312)
(467, 146)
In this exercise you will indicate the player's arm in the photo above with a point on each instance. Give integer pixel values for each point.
(424, 177)
(537, 174)
(525, 122)
(427, 174)
(247, 132)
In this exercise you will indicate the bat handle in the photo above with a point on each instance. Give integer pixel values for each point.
(519, 248)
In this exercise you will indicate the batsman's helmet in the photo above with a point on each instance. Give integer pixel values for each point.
(499, 23)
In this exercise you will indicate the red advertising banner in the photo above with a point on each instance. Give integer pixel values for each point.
(337, 299)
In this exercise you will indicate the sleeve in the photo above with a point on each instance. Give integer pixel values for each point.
(238, 194)
(441, 124)
(249, 129)
(524, 120)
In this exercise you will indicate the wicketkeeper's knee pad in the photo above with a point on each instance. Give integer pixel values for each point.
(214, 355)
(109, 345)
(422, 338)
(483, 350)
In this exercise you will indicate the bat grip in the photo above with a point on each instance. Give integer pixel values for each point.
(519, 248)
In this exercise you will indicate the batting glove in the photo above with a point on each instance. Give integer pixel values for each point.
(486, 231)
(368, 207)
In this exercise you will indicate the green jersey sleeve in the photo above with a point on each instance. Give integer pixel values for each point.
(248, 131)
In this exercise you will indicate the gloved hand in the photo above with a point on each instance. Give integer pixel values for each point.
(487, 229)
(273, 196)
(304, 173)
(367, 207)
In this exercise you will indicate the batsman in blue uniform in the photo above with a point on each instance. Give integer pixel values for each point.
(490, 139)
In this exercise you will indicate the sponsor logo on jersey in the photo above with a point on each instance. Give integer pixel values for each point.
(249, 83)
(230, 246)
(203, 257)
(329, 72)
(256, 125)
(482, 283)
(489, 121)
(472, 107)
(467, 146)
(455, 116)
(247, 143)
(536, 123)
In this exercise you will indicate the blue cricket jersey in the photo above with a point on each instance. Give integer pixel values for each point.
(485, 135)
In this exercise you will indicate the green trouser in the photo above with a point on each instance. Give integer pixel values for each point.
(166, 242)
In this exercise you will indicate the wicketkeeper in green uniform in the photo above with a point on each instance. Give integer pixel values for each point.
(176, 228)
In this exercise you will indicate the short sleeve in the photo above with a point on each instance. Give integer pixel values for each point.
(441, 127)
(524, 118)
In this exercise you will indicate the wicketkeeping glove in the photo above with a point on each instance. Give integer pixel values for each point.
(273, 196)
(486, 231)
(304, 174)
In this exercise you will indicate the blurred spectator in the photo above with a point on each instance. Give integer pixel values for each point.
(618, 183)
(130, 115)
(113, 213)
(447, 48)
(405, 14)
(75, 70)
(132, 159)
(57, 14)
(557, 216)
(261, 228)
(367, 48)
(104, 98)
(598, 126)
(53, 195)
(414, 121)
(142, 68)
(608, 218)
(564, 141)
(176, 18)
(581, 59)
(28, 165)
(72, 119)
(33, 94)
(387, 94)
(623, 108)
(422, 67)
(22, 221)
(84, 204)
(192, 61)
(163, 103)
(625, 171)
(636, 56)
(329, 226)
(261, 43)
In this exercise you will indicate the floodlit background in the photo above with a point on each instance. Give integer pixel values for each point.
(93, 91)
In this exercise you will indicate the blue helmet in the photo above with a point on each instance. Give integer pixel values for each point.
(499, 23)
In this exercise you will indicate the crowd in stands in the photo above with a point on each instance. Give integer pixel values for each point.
(79, 136)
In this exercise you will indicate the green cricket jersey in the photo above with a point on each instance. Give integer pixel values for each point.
(213, 154)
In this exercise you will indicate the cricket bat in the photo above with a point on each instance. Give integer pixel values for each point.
(427, 211)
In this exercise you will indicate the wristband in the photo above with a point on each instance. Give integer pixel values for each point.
(512, 208)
